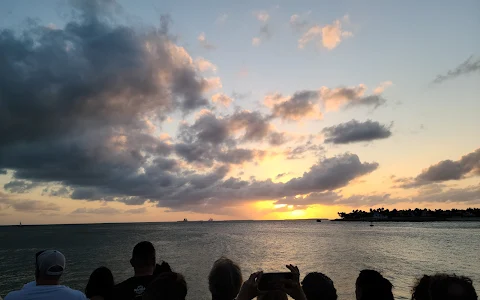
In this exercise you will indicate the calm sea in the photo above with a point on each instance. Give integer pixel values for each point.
(401, 251)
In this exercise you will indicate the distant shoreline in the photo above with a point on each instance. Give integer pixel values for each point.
(412, 219)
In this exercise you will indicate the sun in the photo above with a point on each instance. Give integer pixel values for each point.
(297, 213)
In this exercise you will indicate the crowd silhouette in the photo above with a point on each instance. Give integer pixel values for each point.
(152, 281)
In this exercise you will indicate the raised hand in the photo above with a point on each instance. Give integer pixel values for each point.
(249, 288)
(292, 286)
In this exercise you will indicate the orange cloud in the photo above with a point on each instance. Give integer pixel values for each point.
(381, 87)
(204, 65)
(337, 97)
(222, 99)
(212, 83)
(328, 36)
(262, 16)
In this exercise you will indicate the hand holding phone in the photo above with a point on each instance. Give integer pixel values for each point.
(249, 288)
(273, 281)
(292, 286)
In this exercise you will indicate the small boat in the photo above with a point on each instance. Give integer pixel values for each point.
(318, 220)
(210, 220)
(371, 224)
(19, 225)
(185, 220)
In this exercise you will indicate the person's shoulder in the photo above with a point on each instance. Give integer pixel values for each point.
(124, 283)
(14, 295)
(123, 287)
(134, 280)
(73, 294)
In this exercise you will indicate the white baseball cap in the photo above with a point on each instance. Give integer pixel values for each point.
(50, 262)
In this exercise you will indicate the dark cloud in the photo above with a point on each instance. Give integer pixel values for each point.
(370, 200)
(265, 32)
(140, 210)
(438, 193)
(88, 75)
(297, 24)
(470, 194)
(300, 105)
(328, 174)
(349, 97)
(209, 139)
(106, 210)
(240, 96)
(281, 175)
(207, 128)
(277, 138)
(355, 131)
(255, 125)
(308, 103)
(374, 101)
(77, 105)
(469, 66)
(239, 156)
(59, 192)
(81, 107)
(27, 205)
(301, 151)
(332, 173)
(19, 186)
(446, 170)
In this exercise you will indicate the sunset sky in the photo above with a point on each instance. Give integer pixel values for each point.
(135, 111)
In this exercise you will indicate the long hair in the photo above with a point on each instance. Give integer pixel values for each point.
(100, 283)
(225, 279)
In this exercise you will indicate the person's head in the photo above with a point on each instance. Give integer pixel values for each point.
(225, 279)
(162, 268)
(371, 285)
(49, 266)
(100, 283)
(273, 295)
(318, 286)
(167, 286)
(421, 289)
(451, 287)
(143, 258)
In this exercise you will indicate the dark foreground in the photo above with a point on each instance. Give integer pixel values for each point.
(401, 251)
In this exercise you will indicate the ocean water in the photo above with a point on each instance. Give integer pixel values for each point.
(401, 251)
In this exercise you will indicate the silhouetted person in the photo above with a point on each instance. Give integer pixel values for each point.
(167, 286)
(100, 284)
(371, 285)
(143, 262)
(290, 287)
(318, 286)
(225, 279)
(161, 268)
(273, 295)
(421, 290)
(49, 267)
(451, 287)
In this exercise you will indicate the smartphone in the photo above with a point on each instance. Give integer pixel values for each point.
(272, 281)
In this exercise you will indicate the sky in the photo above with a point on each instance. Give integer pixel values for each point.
(121, 111)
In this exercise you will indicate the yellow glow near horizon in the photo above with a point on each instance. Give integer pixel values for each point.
(298, 213)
